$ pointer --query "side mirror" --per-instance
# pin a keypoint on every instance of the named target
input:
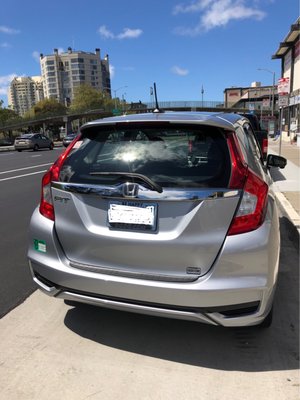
(276, 161)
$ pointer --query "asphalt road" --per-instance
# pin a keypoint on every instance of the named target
(20, 178)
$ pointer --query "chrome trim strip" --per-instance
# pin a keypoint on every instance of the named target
(134, 275)
(170, 194)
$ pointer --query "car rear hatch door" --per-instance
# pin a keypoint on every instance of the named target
(146, 207)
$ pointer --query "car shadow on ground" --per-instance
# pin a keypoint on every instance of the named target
(277, 175)
(239, 349)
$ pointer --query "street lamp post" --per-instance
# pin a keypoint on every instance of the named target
(273, 86)
(202, 94)
(115, 92)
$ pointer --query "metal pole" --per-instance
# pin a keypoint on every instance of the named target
(280, 129)
(273, 94)
(273, 87)
(115, 91)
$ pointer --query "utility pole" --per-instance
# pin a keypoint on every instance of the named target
(273, 87)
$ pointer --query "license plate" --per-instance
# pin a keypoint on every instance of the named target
(133, 216)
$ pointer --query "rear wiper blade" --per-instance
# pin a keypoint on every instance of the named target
(144, 178)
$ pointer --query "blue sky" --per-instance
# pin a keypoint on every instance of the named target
(181, 45)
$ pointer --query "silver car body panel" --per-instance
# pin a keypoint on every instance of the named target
(188, 237)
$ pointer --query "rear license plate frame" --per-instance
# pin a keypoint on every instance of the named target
(121, 215)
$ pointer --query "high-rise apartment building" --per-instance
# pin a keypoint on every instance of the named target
(63, 72)
(24, 93)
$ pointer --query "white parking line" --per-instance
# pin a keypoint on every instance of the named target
(22, 169)
(21, 176)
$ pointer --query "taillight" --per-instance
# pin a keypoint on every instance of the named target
(265, 147)
(253, 205)
(46, 205)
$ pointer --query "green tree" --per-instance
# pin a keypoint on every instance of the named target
(48, 107)
(87, 98)
(7, 115)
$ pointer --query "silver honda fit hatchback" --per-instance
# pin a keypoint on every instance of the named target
(168, 214)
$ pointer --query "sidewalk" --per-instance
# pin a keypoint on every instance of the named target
(287, 180)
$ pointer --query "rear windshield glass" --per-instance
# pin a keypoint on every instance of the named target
(171, 156)
(26, 136)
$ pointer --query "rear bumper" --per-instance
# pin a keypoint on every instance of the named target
(237, 291)
(244, 314)
(25, 146)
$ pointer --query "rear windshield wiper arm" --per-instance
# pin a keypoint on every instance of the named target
(144, 178)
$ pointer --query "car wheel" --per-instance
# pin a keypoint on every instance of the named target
(19, 150)
(35, 147)
(51, 146)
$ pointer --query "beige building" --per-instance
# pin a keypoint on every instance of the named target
(254, 98)
(63, 72)
(289, 54)
(24, 93)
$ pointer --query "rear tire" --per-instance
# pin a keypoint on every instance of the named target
(19, 150)
(35, 147)
(51, 146)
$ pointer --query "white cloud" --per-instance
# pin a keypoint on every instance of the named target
(112, 71)
(8, 31)
(4, 83)
(105, 33)
(193, 7)
(127, 33)
(179, 71)
(216, 13)
(36, 56)
(130, 33)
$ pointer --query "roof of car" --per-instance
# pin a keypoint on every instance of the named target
(222, 120)
(28, 134)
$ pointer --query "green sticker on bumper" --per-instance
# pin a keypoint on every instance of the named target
(39, 245)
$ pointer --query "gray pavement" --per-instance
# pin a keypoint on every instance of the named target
(287, 180)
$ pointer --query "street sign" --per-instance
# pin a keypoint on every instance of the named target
(283, 101)
(116, 111)
(283, 86)
(266, 103)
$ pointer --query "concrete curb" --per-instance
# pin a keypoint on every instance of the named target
(7, 148)
(12, 148)
(288, 211)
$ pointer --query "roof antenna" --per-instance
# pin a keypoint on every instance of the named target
(156, 110)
